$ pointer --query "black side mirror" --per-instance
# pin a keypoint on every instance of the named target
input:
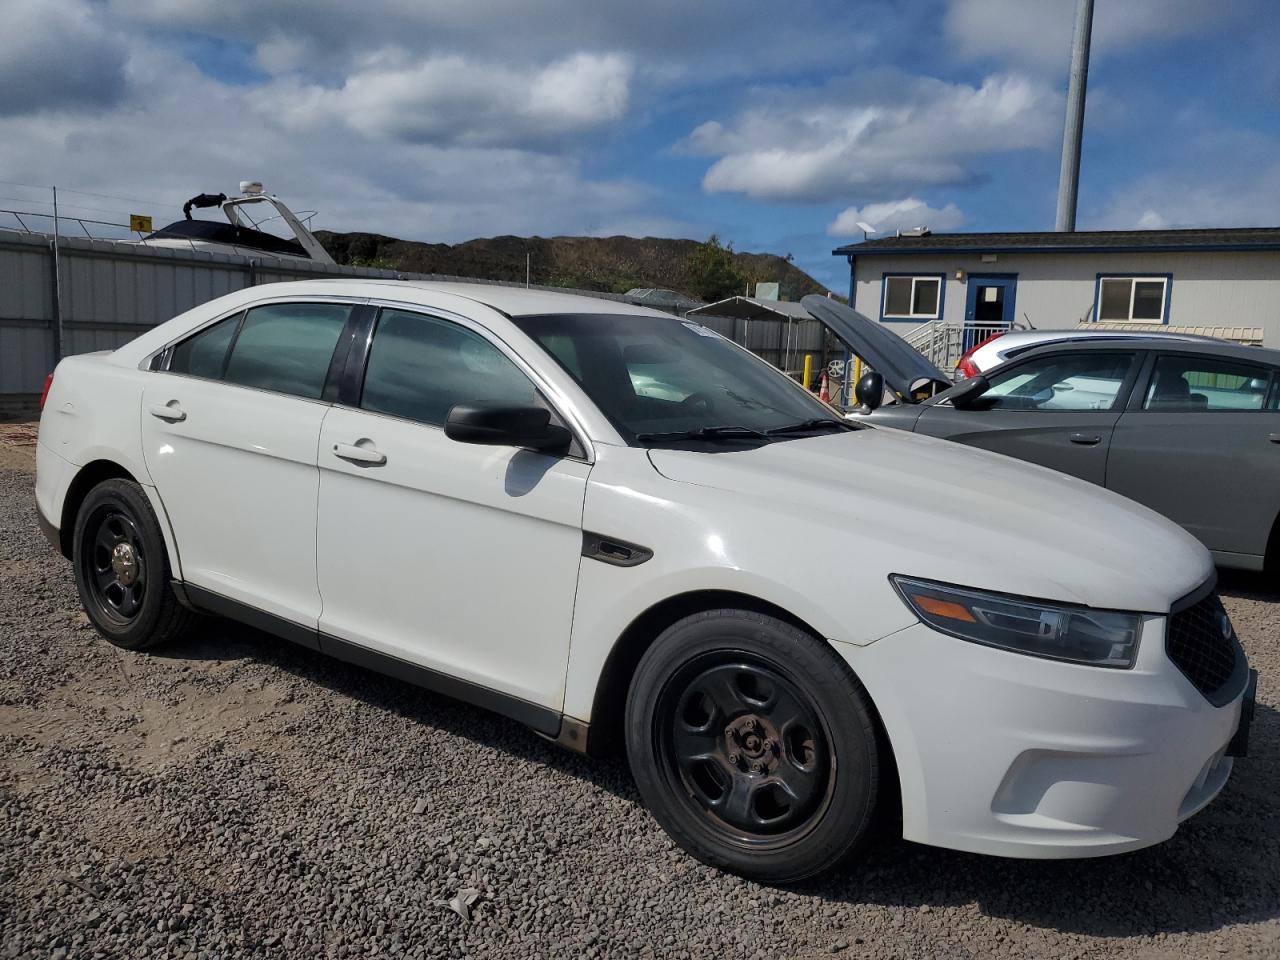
(503, 425)
(964, 393)
(869, 390)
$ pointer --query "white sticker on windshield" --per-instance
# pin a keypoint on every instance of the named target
(700, 330)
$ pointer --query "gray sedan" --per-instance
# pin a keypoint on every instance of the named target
(1191, 430)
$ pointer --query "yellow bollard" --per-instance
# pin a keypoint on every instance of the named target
(808, 369)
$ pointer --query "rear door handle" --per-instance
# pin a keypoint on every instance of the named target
(1274, 438)
(1086, 439)
(361, 456)
(170, 411)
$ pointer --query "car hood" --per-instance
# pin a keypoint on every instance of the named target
(929, 508)
(893, 358)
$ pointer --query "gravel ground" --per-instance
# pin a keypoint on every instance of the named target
(237, 796)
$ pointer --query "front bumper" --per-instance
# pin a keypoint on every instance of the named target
(1002, 753)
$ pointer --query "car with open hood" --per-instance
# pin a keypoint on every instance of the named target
(600, 520)
(1190, 428)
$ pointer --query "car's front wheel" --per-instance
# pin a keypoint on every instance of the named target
(753, 745)
(122, 570)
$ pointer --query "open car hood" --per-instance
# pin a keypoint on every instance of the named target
(893, 358)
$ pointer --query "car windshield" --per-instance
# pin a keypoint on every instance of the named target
(663, 381)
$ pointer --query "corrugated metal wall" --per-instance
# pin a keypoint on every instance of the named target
(110, 292)
(781, 342)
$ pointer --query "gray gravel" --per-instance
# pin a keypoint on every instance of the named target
(236, 796)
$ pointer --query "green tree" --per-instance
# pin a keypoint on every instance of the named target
(712, 272)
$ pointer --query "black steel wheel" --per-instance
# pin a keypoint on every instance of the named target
(122, 570)
(116, 562)
(754, 745)
(746, 744)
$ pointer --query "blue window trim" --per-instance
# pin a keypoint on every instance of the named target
(1132, 275)
(942, 296)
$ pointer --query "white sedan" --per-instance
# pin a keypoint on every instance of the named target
(463, 486)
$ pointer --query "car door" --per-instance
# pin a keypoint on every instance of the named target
(1200, 443)
(1057, 409)
(459, 558)
(230, 425)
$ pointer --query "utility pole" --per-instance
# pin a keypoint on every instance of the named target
(1073, 130)
(59, 345)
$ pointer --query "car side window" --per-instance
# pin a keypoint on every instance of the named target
(287, 347)
(205, 354)
(1082, 381)
(420, 366)
(1206, 384)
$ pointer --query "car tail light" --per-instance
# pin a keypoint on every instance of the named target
(966, 368)
(44, 394)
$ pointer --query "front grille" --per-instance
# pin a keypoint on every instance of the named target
(1202, 642)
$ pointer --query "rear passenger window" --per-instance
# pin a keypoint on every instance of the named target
(203, 355)
(1206, 384)
(419, 367)
(286, 347)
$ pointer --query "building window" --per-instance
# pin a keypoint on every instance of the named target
(1133, 299)
(912, 298)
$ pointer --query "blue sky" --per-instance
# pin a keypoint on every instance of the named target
(774, 125)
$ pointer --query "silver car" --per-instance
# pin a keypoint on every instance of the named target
(1191, 429)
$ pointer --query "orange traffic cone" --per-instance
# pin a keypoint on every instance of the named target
(824, 392)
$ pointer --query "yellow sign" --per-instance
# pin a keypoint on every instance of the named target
(139, 223)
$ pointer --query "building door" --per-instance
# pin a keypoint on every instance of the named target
(988, 306)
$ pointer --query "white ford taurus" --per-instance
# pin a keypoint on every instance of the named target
(614, 525)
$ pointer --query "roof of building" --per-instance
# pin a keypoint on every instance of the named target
(661, 299)
(750, 308)
(1080, 241)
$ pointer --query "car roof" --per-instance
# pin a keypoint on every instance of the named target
(1206, 347)
(1021, 338)
(514, 301)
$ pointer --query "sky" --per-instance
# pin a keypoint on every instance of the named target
(776, 126)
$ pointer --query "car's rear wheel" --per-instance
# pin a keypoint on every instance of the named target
(753, 745)
(122, 570)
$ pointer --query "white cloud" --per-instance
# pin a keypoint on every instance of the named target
(456, 100)
(858, 139)
(57, 56)
(1037, 33)
(670, 39)
(180, 132)
(895, 215)
(1245, 196)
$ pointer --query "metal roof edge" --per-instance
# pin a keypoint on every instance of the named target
(859, 250)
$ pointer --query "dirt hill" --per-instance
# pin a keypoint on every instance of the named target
(704, 271)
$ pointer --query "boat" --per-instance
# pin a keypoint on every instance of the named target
(241, 235)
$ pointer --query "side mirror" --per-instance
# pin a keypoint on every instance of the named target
(963, 394)
(869, 390)
(507, 426)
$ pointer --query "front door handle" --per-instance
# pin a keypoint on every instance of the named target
(170, 411)
(1274, 438)
(1086, 439)
(361, 456)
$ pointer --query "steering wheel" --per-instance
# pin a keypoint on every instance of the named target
(700, 400)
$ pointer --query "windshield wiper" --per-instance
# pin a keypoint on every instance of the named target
(704, 433)
(804, 426)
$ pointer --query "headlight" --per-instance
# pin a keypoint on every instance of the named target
(1101, 638)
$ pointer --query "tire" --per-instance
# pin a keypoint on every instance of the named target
(122, 570)
(754, 746)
